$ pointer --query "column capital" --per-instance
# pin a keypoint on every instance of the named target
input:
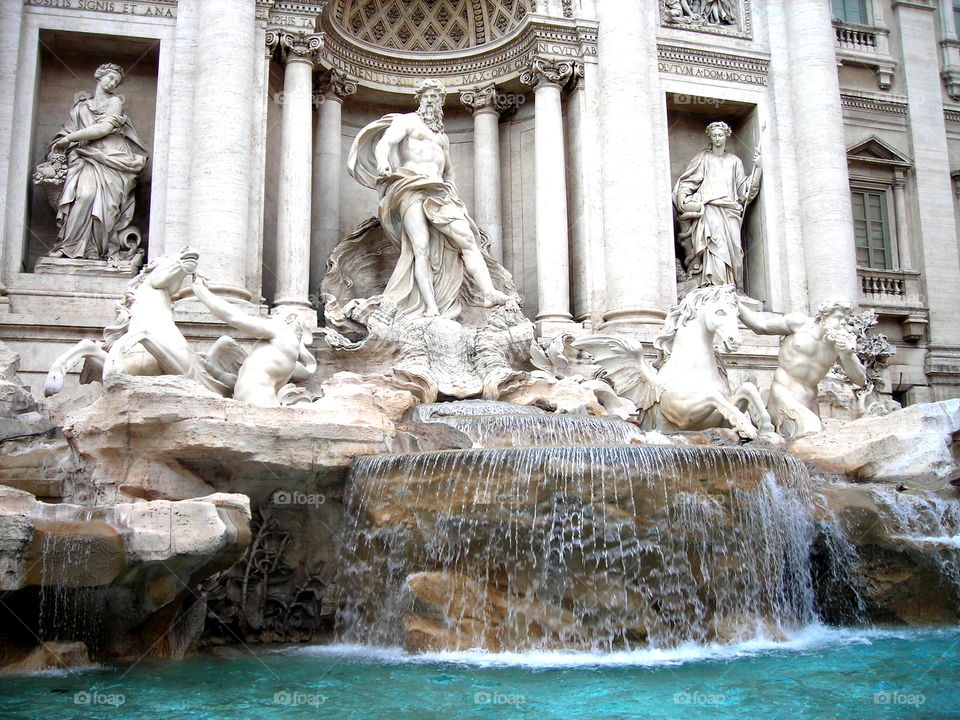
(270, 41)
(299, 46)
(484, 98)
(337, 86)
(547, 71)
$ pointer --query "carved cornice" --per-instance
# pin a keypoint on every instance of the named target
(951, 115)
(876, 105)
(712, 65)
(299, 46)
(548, 71)
(337, 85)
(494, 62)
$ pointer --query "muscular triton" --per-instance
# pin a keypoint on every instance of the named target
(810, 347)
(406, 157)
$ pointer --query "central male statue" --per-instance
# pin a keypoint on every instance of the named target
(406, 158)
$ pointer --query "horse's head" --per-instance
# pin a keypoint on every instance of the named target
(716, 309)
(168, 272)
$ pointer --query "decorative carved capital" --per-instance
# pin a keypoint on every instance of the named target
(271, 40)
(480, 98)
(337, 85)
(299, 46)
(547, 71)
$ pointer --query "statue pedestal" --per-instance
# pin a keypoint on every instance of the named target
(96, 268)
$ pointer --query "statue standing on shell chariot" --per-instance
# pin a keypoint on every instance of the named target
(406, 158)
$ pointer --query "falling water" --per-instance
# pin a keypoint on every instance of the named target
(529, 430)
(928, 522)
(575, 547)
(67, 610)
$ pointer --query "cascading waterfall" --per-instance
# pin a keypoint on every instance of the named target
(927, 521)
(595, 548)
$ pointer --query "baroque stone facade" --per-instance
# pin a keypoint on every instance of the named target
(575, 121)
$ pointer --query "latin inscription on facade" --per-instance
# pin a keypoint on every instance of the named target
(108, 6)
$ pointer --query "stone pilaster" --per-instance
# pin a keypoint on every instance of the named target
(327, 169)
(296, 171)
(640, 266)
(826, 216)
(11, 15)
(936, 241)
(587, 264)
(547, 77)
(221, 171)
(482, 103)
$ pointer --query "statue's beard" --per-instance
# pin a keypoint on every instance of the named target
(432, 116)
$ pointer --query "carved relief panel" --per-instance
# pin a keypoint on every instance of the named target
(720, 17)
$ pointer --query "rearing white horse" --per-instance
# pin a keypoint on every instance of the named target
(144, 340)
(686, 388)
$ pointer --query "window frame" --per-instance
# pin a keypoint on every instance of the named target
(842, 16)
(887, 223)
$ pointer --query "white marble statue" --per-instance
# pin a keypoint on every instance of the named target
(710, 198)
(145, 340)
(810, 347)
(406, 158)
(90, 174)
(281, 355)
(686, 388)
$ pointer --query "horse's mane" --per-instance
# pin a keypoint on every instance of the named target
(118, 328)
(682, 312)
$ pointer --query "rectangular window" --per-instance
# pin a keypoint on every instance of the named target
(871, 228)
(956, 16)
(852, 11)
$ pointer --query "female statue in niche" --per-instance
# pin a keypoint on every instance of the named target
(90, 175)
(710, 198)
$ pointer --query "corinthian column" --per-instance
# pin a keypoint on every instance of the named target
(826, 216)
(296, 169)
(641, 276)
(482, 102)
(11, 16)
(327, 157)
(553, 263)
(222, 128)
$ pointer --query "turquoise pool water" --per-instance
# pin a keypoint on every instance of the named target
(821, 673)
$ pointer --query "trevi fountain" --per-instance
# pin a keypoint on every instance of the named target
(475, 359)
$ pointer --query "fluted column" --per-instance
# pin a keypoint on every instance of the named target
(222, 128)
(296, 170)
(826, 215)
(553, 263)
(482, 102)
(641, 277)
(327, 158)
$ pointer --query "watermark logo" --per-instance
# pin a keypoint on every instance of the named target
(683, 99)
(484, 697)
(896, 697)
(294, 698)
(85, 697)
(295, 497)
(699, 698)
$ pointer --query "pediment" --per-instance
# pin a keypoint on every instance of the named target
(875, 151)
